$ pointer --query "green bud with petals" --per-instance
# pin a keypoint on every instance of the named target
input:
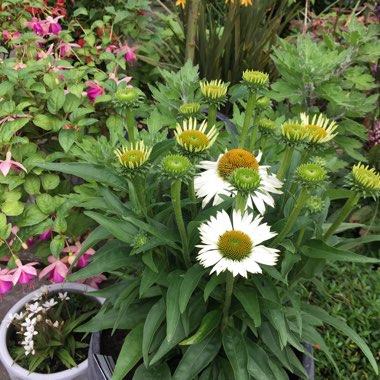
(176, 166)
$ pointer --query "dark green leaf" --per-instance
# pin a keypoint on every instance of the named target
(130, 353)
(189, 284)
(236, 351)
(248, 298)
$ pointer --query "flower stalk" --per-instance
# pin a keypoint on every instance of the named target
(131, 125)
(176, 201)
(292, 218)
(211, 120)
(344, 212)
(285, 163)
(227, 299)
(251, 102)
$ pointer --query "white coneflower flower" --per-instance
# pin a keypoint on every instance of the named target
(134, 155)
(235, 245)
(63, 296)
(194, 139)
(49, 304)
(215, 180)
(319, 129)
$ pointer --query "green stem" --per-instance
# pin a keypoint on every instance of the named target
(247, 118)
(285, 163)
(292, 217)
(191, 31)
(240, 202)
(344, 212)
(227, 300)
(211, 116)
(177, 207)
(193, 199)
(254, 135)
(140, 193)
(131, 125)
(301, 234)
(263, 142)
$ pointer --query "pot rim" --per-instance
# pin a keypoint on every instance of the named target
(5, 357)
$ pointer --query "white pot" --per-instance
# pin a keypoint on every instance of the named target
(18, 373)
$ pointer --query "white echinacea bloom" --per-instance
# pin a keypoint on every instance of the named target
(214, 180)
(235, 245)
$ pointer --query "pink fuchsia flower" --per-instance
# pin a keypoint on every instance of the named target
(23, 274)
(44, 54)
(128, 51)
(73, 251)
(37, 26)
(94, 90)
(6, 283)
(52, 25)
(56, 271)
(118, 81)
(46, 235)
(8, 164)
(19, 66)
(66, 47)
(7, 35)
(94, 281)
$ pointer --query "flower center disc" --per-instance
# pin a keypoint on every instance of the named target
(235, 245)
(196, 139)
(132, 157)
(316, 131)
(236, 158)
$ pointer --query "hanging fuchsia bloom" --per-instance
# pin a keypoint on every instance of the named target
(52, 25)
(74, 251)
(46, 235)
(8, 164)
(44, 54)
(36, 25)
(23, 274)
(128, 51)
(94, 90)
(56, 271)
(7, 35)
(94, 281)
(5, 281)
(66, 47)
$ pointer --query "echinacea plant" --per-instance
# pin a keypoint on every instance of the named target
(212, 234)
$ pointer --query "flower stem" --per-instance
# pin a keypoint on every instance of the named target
(176, 201)
(240, 202)
(227, 300)
(140, 193)
(292, 217)
(193, 199)
(131, 125)
(285, 163)
(247, 119)
(344, 212)
(191, 32)
(211, 116)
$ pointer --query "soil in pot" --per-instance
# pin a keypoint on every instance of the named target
(71, 308)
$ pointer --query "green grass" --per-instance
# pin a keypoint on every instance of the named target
(351, 291)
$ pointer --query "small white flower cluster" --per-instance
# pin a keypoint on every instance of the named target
(33, 314)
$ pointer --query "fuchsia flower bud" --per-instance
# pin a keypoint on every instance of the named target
(74, 250)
